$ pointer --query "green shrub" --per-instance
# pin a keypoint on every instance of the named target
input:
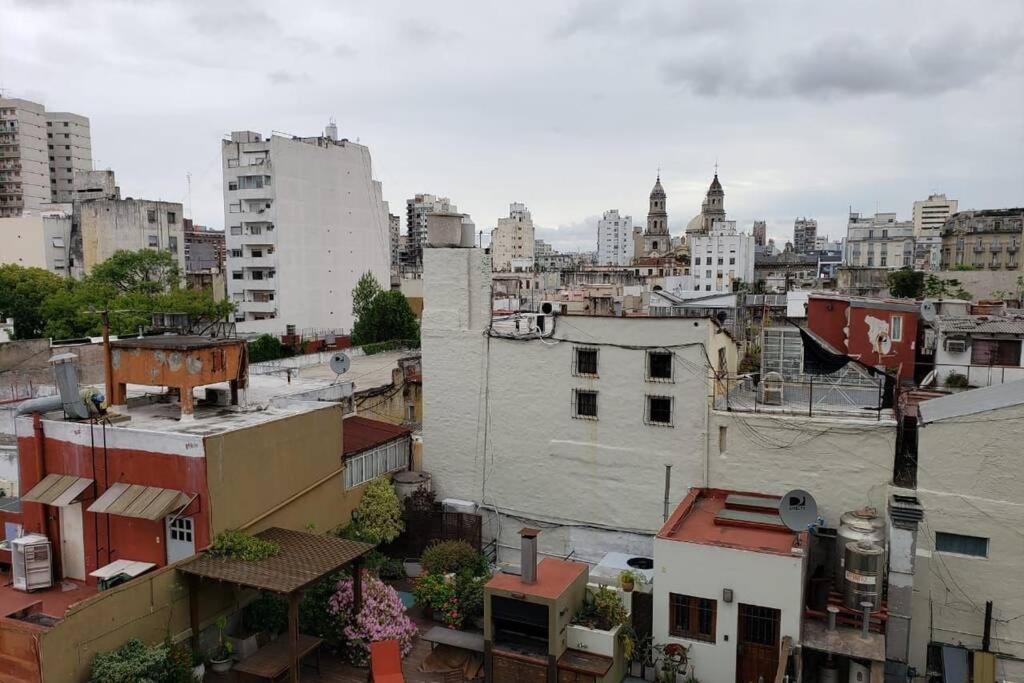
(315, 617)
(444, 557)
(955, 380)
(132, 662)
(241, 546)
(269, 613)
(470, 590)
(386, 568)
(267, 347)
(379, 515)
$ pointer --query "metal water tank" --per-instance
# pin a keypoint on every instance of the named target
(408, 481)
(853, 528)
(863, 576)
(858, 673)
(864, 514)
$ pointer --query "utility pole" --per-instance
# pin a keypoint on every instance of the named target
(108, 370)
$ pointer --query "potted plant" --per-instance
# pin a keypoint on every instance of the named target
(220, 660)
(198, 666)
(600, 624)
(627, 579)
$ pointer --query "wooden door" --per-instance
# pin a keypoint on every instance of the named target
(72, 542)
(757, 644)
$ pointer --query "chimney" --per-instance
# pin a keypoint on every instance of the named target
(904, 514)
(528, 556)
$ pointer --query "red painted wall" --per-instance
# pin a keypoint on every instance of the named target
(129, 538)
(846, 327)
(827, 318)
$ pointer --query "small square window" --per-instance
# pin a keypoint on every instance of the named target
(172, 244)
(585, 362)
(960, 544)
(172, 217)
(236, 275)
(659, 410)
(154, 241)
(151, 216)
(659, 365)
(584, 404)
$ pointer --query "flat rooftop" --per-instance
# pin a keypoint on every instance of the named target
(554, 576)
(173, 342)
(731, 519)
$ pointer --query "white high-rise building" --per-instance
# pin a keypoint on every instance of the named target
(721, 258)
(512, 242)
(304, 220)
(614, 239)
(929, 216)
(24, 167)
(69, 145)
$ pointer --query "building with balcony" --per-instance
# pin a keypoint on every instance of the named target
(614, 239)
(69, 144)
(304, 220)
(416, 210)
(929, 217)
(24, 166)
(985, 239)
(513, 242)
(879, 241)
(721, 258)
(805, 235)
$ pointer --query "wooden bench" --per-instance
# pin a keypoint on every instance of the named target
(439, 635)
(272, 661)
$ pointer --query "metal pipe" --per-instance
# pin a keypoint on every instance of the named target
(39, 405)
(832, 612)
(668, 487)
(866, 617)
(108, 367)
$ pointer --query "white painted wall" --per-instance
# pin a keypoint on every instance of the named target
(947, 363)
(734, 250)
(539, 462)
(614, 239)
(703, 571)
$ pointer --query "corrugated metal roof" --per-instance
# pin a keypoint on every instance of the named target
(142, 502)
(57, 489)
(972, 402)
(361, 433)
(304, 558)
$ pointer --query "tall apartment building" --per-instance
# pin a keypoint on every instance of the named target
(805, 231)
(69, 145)
(204, 248)
(722, 258)
(614, 239)
(929, 217)
(760, 233)
(989, 239)
(879, 241)
(394, 232)
(416, 210)
(304, 220)
(512, 242)
(24, 166)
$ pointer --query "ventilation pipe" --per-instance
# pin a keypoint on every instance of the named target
(905, 512)
(39, 405)
(528, 555)
(832, 612)
(65, 373)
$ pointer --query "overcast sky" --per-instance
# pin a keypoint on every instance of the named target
(569, 107)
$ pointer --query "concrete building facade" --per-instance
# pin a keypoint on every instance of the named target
(579, 424)
(988, 239)
(721, 259)
(513, 241)
(394, 232)
(416, 210)
(69, 144)
(805, 234)
(760, 233)
(24, 163)
(103, 226)
(614, 239)
(304, 220)
(38, 239)
(929, 217)
(879, 241)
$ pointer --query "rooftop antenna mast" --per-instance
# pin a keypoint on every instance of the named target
(188, 184)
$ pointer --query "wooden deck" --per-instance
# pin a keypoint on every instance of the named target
(336, 670)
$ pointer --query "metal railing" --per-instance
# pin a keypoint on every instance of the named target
(808, 395)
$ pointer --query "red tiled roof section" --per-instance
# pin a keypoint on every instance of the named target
(361, 433)
(554, 576)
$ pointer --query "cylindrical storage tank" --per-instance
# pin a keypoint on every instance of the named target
(859, 673)
(854, 530)
(864, 514)
(407, 482)
(829, 673)
(863, 575)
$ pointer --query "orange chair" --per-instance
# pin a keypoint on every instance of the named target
(386, 662)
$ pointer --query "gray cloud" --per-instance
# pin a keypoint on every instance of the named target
(282, 77)
(343, 51)
(423, 32)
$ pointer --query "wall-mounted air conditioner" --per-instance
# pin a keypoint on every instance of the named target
(956, 345)
(31, 562)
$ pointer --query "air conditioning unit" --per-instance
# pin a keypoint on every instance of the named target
(956, 345)
(456, 505)
(31, 562)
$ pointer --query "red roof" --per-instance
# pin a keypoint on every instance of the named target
(554, 576)
(694, 521)
(361, 434)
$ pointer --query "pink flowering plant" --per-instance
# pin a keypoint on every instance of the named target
(381, 618)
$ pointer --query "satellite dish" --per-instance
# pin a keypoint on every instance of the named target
(798, 510)
(928, 311)
(340, 363)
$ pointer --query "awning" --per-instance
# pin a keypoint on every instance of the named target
(57, 489)
(143, 502)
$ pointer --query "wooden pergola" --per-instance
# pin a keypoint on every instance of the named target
(304, 559)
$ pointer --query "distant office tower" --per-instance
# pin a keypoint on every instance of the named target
(614, 239)
(70, 149)
(721, 259)
(204, 248)
(394, 231)
(512, 241)
(760, 233)
(305, 219)
(416, 210)
(805, 232)
(878, 241)
(929, 216)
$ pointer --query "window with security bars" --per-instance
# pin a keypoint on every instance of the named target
(181, 529)
(584, 361)
(584, 404)
(659, 366)
(390, 457)
(692, 617)
(659, 411)
(758, 625)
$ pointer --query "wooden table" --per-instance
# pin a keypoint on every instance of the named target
(465, 640)
(273, 660)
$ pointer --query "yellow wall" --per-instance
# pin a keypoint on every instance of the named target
(151, 608)
(390, 405)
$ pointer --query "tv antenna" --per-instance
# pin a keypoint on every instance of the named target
(340, 363)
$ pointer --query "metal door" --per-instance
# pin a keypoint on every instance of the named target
(181, 540)
(72, 544)
(757, 644)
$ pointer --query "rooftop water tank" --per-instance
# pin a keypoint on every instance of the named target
(855, 527)
(863, 576)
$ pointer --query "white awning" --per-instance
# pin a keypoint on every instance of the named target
(57, 489)
(142, 502)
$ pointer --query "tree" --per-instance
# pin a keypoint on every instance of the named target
(379, 515)
(938, 288)
(366, 291)
(266, 347)
(906, 283)
(387, 317)
(22, 293)
(146, 270)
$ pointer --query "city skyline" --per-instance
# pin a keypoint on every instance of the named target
(824, 118)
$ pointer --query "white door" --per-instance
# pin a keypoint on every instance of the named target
(181, 542)
(72, 544)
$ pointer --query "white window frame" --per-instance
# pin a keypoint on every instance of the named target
(368, 465)
(896, 328)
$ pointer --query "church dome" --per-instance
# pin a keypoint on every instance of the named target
(695, 223)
